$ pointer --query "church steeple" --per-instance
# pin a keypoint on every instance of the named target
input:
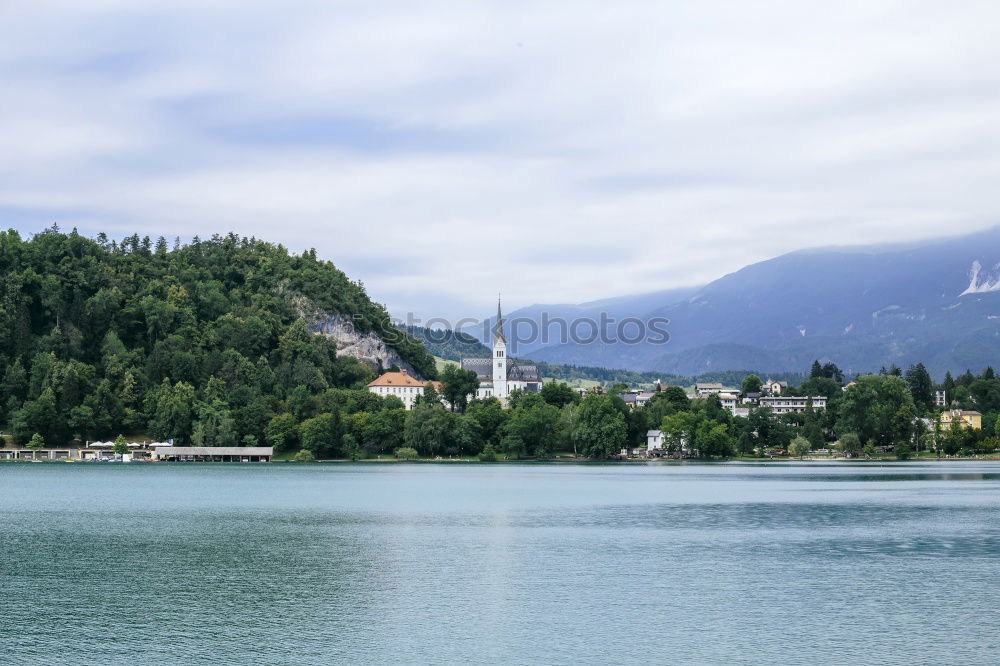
(499, 356)
(498, 326)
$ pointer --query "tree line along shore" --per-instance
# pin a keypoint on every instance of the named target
(208, 343)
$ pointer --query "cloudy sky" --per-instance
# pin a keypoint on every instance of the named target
(559, 151)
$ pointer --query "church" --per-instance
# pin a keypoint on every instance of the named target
(500, 374)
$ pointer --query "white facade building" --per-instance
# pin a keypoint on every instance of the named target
(401, 384)
(940, 398)
(729, 400)
(785, 404)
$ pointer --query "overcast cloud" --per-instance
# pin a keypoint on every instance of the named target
(557, 151)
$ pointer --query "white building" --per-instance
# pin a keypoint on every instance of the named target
(500, 374)
(401, 384)
(729, 400)
(654, 442)
(785, 404)
(703, 390)
(940, 399)
(774, 387)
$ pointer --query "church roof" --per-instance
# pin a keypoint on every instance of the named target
(498, 326)
(483, 367)
(402, 378)
(522, 373)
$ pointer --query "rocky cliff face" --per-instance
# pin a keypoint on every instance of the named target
(368, 348)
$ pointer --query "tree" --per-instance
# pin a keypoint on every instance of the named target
(850, 444)
(215, 425)
(457, 385)
(120, 446)
(772, 433)
(430, 395)
(600, 428)
(322, 434)
(282, 432)
(490, 416)
(831, 371)
(36, 442)
(921, 386)
(948, 386)
(38, 416)
(81, 421)
(467, 435)
(393, 402)
(406, 453)
(712, 440)
(171, 410)
(902, 450)
(381, 429)
(559, 394)
(531, 428)
(678, 431)
(668, 401)
(799, 447)
(304, 455)
(751, 384)
(878, 408)
(351, 447)
(427, 428)
(567, 428)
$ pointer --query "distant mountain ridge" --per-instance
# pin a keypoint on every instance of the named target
(937, 302)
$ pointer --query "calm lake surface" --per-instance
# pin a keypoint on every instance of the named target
(527, 564)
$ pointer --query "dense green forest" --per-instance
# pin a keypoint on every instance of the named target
(202, 342)
(448, 344)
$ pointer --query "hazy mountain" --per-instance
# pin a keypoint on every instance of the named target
(525, 331)
(936, 302)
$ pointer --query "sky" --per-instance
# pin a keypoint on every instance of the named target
(557, 152)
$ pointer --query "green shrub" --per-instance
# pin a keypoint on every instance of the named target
(406, 453)
(304, 455)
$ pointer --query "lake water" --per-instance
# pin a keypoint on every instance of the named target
(526, 564)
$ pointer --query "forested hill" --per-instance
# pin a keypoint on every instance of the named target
(99, 338)
(448, 344)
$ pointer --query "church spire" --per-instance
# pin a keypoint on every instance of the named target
(498, 326)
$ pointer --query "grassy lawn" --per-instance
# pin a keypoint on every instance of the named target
(443, 363)
(574, 383)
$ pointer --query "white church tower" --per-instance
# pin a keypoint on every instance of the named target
(499, 357)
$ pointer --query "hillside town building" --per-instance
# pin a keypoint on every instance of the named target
(705, 389)
(965, 418)
(940, 398)
(401, 384)
(785, 404)
(774, 387)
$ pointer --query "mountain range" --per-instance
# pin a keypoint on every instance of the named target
(936, 302)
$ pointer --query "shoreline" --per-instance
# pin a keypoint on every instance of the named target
(546, 461)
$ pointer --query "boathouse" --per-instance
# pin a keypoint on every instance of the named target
(215, 453)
